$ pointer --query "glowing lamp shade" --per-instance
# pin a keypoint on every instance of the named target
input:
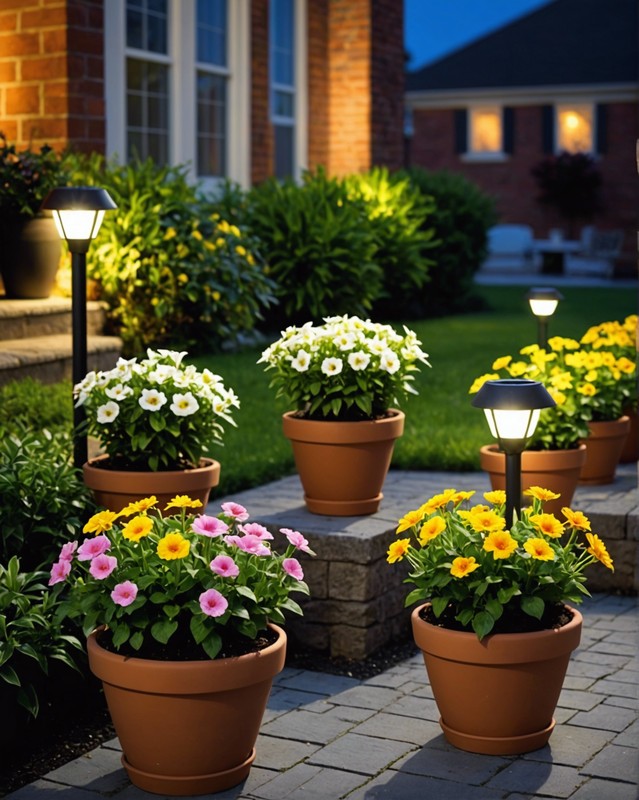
(78, 212)
(543, 302)
(512, 408)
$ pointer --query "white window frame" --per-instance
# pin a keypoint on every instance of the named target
(182, 86)
(571, 106)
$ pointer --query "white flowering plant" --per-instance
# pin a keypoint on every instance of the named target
(345, 369)
(157, 413)
(178, 585)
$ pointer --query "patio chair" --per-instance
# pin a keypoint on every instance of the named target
(511, 249)
(598, 255)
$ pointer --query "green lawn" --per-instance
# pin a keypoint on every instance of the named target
(443, 431)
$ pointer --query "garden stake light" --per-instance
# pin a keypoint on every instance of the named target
(543, 304)
(78, 212)
(512, 408)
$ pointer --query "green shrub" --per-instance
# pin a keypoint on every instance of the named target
(171, 270)
(42, 498)
(398, 214)
(319, 248)
(29, 638)
(34, 406)
(461, 217)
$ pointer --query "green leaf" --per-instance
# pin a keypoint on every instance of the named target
(163, 630)
(439, 605)
(136, 640)
(212, 645)
(415, 596)
(199, 629)
(246, 592)
(9, 675)
(533, 606)
(483, 624)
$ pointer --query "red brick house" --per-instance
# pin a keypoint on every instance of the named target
(562, 78)
(241, 89)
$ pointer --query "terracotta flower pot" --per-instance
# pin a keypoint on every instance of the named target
(557, 470)
(187, 727)
(496, 696)
(604, 446)
(343, 465)
(630, 452)
(114, 489)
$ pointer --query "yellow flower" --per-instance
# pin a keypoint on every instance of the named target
(561, 381)
(100, 522)
(548, 524)
(541, 494)
(216, 296)
(625, 365)
(431, 528)
(410, 519)
(500, 543)
(517, 369)
(529, 349)
(479, 382)
(171, 233)
(173, 546)
(591, 375)
(196, 234)
(502, 363)
(463, 566)
(587, 389)
(183, 277)
(438, 501)
(487, 521)
(556, 343)
(559, 397)
(183, 501)
(137, 527)
(241, 251)
(497, 497)
(539, 549)
(458, 497)
(598, 550)
(398, 550)
(576, 519)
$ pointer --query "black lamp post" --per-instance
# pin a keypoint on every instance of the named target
(78, 212)
(543, 304)
(512, 408)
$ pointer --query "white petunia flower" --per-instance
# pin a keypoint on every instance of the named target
(118, 392)
(108, 412)
(358, 360)
(389, 362)
(302, 361)
(152, 400)
(184, 405)
(332, 366)
(345, 341)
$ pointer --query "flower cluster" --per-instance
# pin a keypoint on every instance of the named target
(156, 413)
(620, 340)
(586, 384)
(196, 577)
(346, 368)
(466, 561)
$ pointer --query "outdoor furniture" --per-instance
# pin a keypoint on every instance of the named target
(511, 249)
(596, 255)
(553, 252)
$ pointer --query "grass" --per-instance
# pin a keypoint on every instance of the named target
(443, 431)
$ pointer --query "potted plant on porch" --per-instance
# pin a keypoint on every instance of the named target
(496, 632)
(31, 246)
(182, 616)
(157, 419)
(342, 380)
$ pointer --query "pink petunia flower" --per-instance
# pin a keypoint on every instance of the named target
(91, 548)
(67, 551)
(225, 567)
(253, 545)
(102, 566)
(59, 572)
(292, 567)
(209, 526)
(212, 603)
(124, 593)
(236, 511)
(255, 529)
(297, 540)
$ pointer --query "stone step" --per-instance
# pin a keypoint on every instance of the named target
(49, 358)
(21, 319)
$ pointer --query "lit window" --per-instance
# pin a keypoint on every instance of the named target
(485, 130)
(575, 129)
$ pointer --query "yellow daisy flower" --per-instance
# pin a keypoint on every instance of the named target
(183, 501)
(137, 527)
(541, 494)
(173, 546)
(431, 528)
(487, 521)
(576, 519)
(539, 549)
(100, 522)
(598, 550)
(410, 519)
(463, 566)
(496, 497)
(398, 550)
(500, 543)
(548, 524)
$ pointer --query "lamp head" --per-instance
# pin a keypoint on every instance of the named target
(512, 408)
(78, 212)
(543, 301)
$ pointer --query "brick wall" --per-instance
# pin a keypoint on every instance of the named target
(261, 129)
(511, 182)
(318, 74)
(51, 73)
(387, 106)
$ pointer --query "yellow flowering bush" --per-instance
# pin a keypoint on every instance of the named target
(478, 575)
(620, 340)
(180, 585)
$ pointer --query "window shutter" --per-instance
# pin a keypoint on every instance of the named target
(601, 128)
(548, 129)
(508, 130)
(461, 130)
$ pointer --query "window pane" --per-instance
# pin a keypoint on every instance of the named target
(283, 104)
(284, 156)
(575, 129)
(147, 110)
(211, 32)
(147, 25)
(211, 124)
(486, 131)
(282, 42)
(134, 29)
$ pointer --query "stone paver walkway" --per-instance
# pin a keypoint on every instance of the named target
(327, 737)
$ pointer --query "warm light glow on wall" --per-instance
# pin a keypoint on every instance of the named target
(485, 130)
(575, 129)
